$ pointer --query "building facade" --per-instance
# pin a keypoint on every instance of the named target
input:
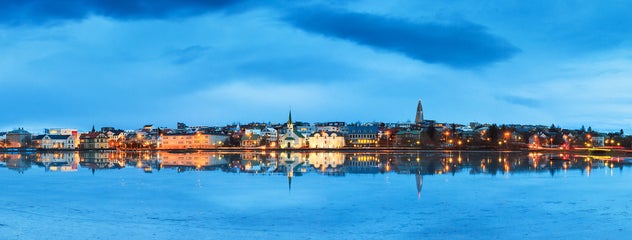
(191, 141)
(250, 140)
(362, 136)
(292, 139)
(64, 131)
(93, 140)
(326, 140)
(57, 142)
(18, 138)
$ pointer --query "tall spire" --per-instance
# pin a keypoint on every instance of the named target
(419, 118)
(289, 121)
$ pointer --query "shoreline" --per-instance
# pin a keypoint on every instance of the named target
(595, 151)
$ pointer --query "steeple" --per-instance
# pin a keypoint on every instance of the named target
(289, 121)
(419, 118)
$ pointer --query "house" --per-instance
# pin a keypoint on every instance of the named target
(329, 126)
(64, 131)
(362, 136)
(408, 138)
(93, 140)
(326, 140)
(270, 134)
(191, 140)
(292, 138)
(250, 140)
(18, 138)
(54, 141)
(304, 128)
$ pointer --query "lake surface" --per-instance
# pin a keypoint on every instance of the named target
(317, 195)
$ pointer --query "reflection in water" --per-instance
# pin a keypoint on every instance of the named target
(294, 164)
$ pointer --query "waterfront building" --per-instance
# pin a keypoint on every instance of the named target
(326, 140)
(250, 140)
(191, 140)
(54, 141)
(64, 131)
(18, 138)
(291, 138)
(93, 140)
(362, 136)
(408, 138)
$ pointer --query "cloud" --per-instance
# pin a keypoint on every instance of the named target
(521, 101)
(188, 54)
(458, 44)
(36, 12)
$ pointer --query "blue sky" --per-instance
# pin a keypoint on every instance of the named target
(127, 63)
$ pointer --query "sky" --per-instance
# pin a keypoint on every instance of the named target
(127, 63)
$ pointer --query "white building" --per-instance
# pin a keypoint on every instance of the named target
(292, 138)
(64, 131)
(270, 133)
(58, 142)
(326, 140)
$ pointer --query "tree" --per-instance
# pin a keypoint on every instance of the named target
(492, 133)
(432, 132)
(621, 132)
(589, 129)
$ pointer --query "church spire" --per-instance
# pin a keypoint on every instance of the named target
(289, 121)
(419, 118)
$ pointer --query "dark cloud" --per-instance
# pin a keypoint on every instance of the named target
(35, 12)
(521, 101)
(460, 44)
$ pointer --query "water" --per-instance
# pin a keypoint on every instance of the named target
(318, 195)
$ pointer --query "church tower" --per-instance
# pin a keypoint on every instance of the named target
(419, 119)
(290, 125)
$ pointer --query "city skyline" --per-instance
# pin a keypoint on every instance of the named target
(130, 63)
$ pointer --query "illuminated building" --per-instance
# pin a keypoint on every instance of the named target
(93, 140)
(55, 141)
(64, 131)
(326, 140)
(18, 138)
(250, 140)
(192, 141)
(362, 136)
(292, 138)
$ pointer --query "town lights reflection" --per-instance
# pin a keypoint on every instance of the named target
(294, 164)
